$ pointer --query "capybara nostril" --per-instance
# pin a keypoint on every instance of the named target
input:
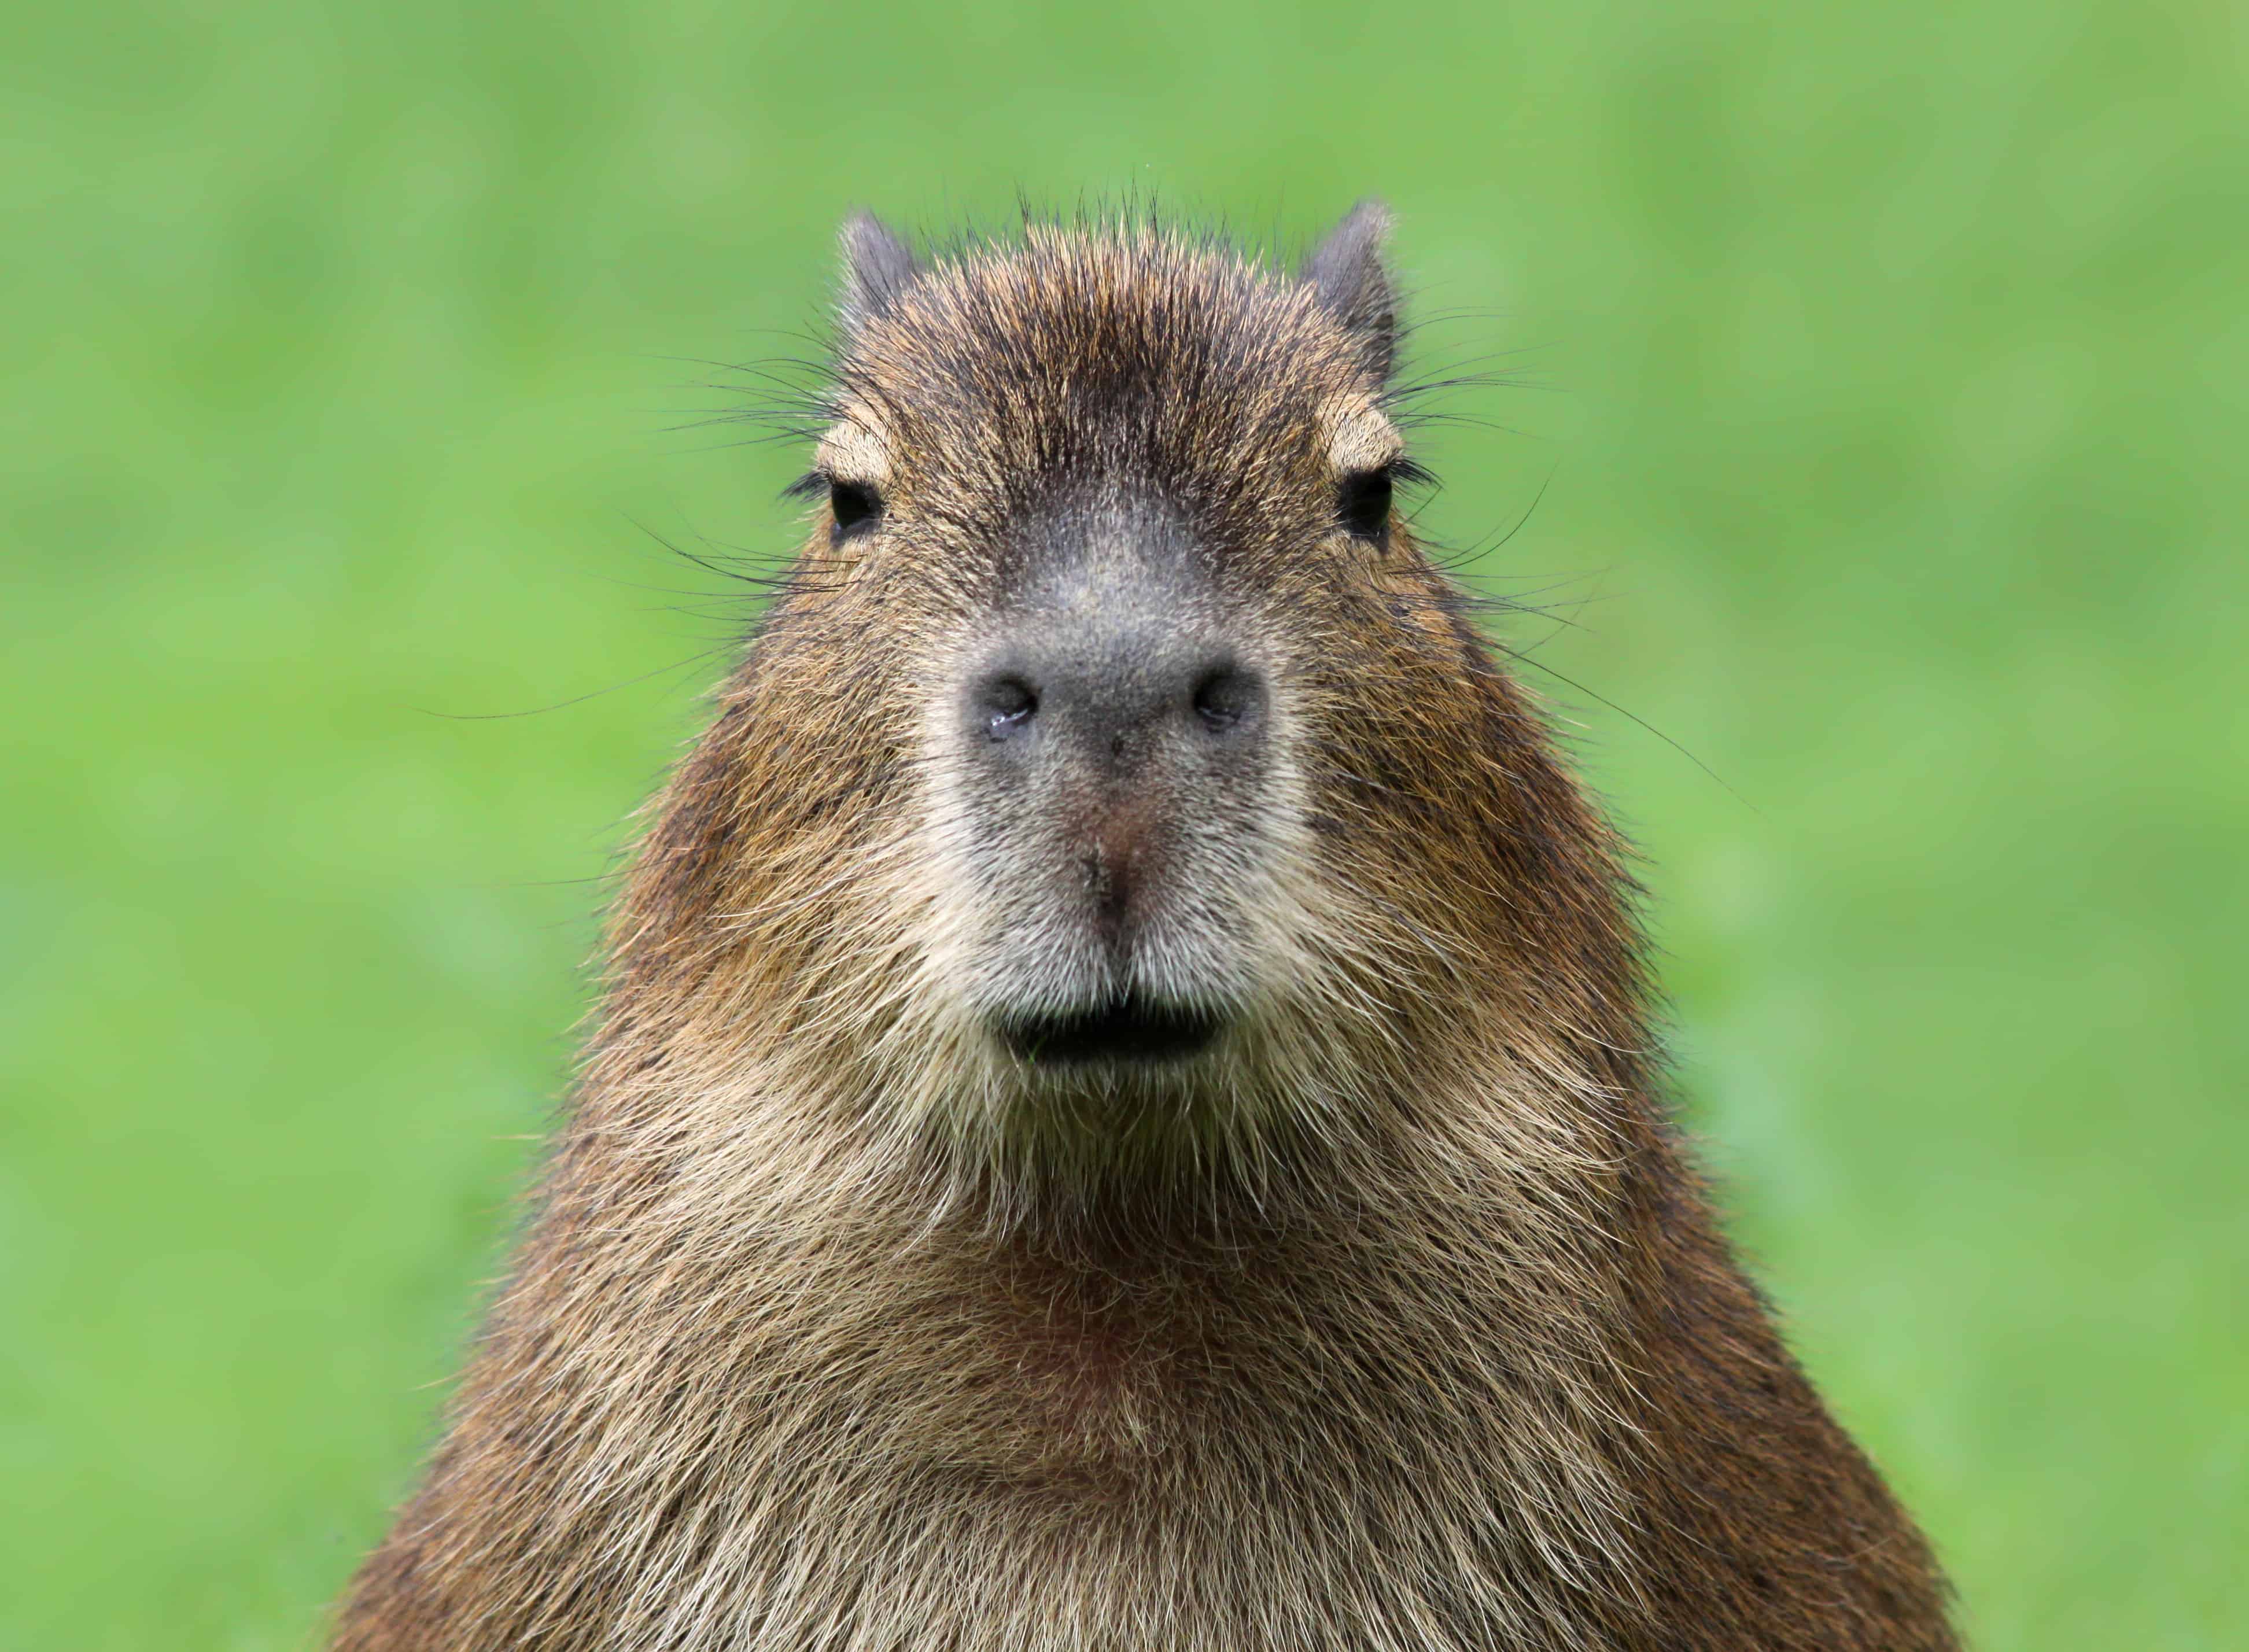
(1005, 705)
(1229, 699)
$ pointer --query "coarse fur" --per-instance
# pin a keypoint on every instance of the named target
(1396, 1320)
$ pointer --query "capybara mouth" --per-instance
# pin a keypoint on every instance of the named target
(1130, 1030)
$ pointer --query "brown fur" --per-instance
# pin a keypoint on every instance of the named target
(1400, 1323)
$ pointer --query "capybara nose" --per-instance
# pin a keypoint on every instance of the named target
(1116, 700)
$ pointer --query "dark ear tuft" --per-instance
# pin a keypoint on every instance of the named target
(1346, 271)
(877, 266)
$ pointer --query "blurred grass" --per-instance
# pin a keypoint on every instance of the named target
(1898, 478)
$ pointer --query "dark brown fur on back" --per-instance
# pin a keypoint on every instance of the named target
(1399, 1322)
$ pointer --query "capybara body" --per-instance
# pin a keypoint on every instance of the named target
(1124, 1114)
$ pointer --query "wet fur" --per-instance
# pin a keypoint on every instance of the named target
(1402, 1323)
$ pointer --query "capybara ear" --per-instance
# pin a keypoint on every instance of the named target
(878, 264)
(1346, 270)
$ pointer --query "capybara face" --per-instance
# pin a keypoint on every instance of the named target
(1176, 784)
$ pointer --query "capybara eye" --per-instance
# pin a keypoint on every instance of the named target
(855, 505)
(1364, 503)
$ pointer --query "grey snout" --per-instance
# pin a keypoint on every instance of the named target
(1116, 703)
(1114, 759)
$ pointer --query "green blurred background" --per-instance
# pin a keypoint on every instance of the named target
(1889, 373)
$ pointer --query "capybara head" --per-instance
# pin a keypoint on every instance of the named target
(1115, 783)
